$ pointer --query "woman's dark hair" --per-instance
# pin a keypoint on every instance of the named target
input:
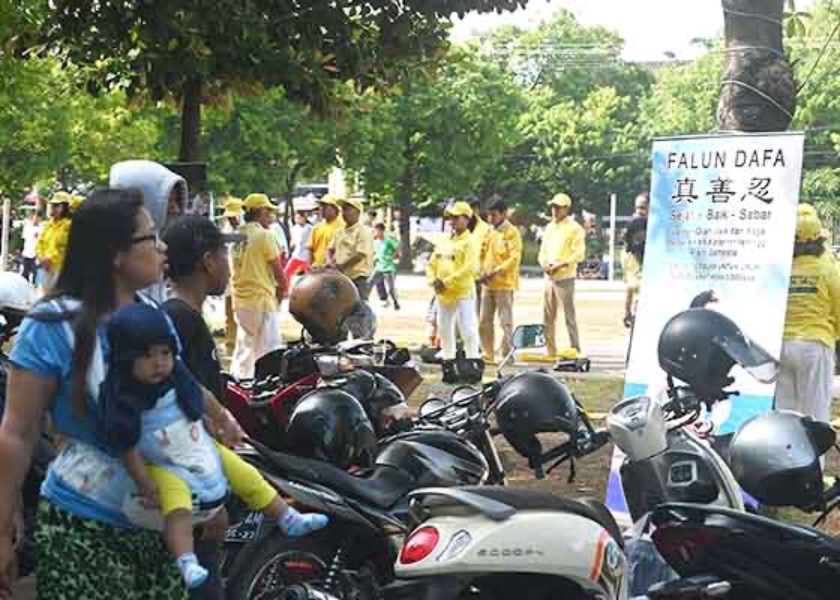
(250, 216)
(102, 226)
(812, 248)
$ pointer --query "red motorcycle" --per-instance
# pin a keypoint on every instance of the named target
(264, 404)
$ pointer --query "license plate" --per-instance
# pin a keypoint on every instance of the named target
(247, 530)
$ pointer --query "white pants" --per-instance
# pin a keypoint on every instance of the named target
(806, 379)
(257, 334)
(463, 314)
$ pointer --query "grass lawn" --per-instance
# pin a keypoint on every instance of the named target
(596, 394)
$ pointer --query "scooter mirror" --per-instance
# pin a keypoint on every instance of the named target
(529, 336)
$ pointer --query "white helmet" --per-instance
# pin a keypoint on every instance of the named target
(17, 296)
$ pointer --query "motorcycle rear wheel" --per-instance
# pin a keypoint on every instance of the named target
(277, 562)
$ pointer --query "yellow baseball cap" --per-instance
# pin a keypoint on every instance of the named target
(354, 202)
(76, 202)
(329, 200)
(806, 209)
(61, 198)
(233, 207)
(458, 209)
(562, 200)
(808, 227)
(258, 201)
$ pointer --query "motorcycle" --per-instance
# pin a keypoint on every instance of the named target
(264, 405)
(722, 553)
(368, 511)
(17, 296)
(449, 444)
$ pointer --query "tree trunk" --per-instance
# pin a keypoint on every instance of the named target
(289, 213)
(758, 92)
(406, 198)
(191, 121)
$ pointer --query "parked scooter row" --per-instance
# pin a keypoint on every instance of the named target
(468, 541)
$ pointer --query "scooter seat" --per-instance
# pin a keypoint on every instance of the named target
(383, 486)
(522, 500)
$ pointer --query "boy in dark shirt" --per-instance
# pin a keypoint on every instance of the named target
(198, 268)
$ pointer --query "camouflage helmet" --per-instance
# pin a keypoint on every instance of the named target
(321, 302)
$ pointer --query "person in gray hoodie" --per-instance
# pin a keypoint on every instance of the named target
(165, 195)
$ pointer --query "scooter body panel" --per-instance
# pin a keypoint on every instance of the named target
(547, 543)
(689, 470)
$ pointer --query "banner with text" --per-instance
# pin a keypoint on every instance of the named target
(722, 218)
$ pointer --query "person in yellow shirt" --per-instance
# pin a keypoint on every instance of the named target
(480, 230)
(562, 249)
(324, 232)
(351, 250)
(812, 325)
(501, 255)
(259, 285)
(451, 273)
(52, 243)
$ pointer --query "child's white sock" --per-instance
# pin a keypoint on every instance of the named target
(192, 572)
(295, 524)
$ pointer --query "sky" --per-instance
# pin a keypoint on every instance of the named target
(650, 28)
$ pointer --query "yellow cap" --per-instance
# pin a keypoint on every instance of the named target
(808, 227)
(354, 202)
(562, 200)
(458, 209)
(257, 201)
(61, 198)
(233, 207)
(806, 209)
(76, 202)
(329, 200)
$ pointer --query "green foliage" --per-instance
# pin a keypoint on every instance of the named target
(266, 143)
(197, 50)
(445, 133)
(684, 98)
(35, 126)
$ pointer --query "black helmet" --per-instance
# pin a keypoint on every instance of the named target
(776, 458)
(699, 346)
(383, 401)
(331, 425)
(435, 458)
(532, 403)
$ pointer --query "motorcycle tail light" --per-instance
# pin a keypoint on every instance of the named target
(683, 543)
(420, 544)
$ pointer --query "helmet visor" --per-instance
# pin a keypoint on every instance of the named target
(753, 358)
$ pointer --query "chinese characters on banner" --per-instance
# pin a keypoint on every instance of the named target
(722, 218)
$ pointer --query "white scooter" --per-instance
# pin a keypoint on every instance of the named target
(500, 543)
(669, 456)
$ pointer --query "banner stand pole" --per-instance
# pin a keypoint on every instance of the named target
(613, 208)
